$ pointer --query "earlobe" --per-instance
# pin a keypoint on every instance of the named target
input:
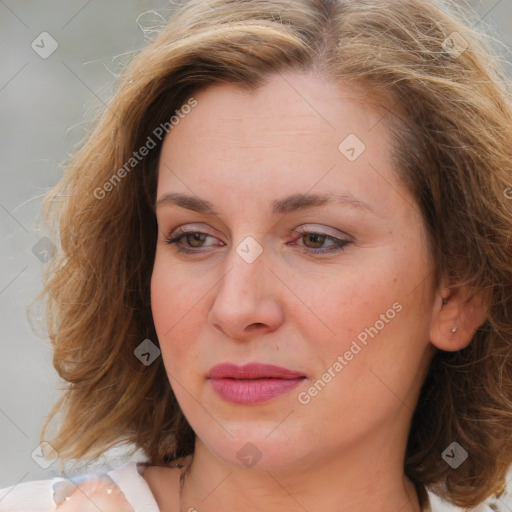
(457, 316)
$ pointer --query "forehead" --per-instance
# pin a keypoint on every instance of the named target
(291, 103)
(295, 133)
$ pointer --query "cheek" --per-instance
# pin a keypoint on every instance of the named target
(372, 362)
(175, 304)
(380, 308)
(341, 307)
(175, 307)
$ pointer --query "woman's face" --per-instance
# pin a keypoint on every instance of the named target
(309, 256)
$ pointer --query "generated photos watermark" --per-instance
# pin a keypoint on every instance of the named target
(137, 156)
(305, 397)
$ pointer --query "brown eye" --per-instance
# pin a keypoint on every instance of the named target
(316, 240)
(189, 241)
(313, 242)
(196, 239)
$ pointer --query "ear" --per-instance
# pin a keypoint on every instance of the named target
(462, 308)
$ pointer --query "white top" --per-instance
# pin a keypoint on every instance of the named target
(127, 481)
(46, 495)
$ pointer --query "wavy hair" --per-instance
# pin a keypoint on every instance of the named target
(452, 149)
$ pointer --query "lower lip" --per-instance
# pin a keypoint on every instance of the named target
(252, 391)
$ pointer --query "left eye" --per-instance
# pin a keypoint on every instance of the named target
(315, 242)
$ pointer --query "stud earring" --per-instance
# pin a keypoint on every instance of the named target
(454, 329)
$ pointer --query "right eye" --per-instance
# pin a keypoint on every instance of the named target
(193, 240)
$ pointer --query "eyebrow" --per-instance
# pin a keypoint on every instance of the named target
(285, 205)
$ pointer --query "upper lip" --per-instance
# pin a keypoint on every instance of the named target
(251, 371)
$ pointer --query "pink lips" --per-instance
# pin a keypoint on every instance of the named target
(252, 383)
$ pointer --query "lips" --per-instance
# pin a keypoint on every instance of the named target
(252, 383)
(251, 371)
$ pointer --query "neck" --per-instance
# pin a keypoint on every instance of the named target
(359, 479)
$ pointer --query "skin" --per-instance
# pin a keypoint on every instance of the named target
(344, 450)
(93, 495)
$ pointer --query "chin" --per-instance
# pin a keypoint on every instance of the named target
(259, 447)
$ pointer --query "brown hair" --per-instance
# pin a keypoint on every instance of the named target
(453, 150)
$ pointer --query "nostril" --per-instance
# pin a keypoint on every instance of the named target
(256, 324)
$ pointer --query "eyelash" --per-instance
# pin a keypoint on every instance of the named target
(339, 244)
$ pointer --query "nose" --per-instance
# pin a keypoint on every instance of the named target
(247, 301)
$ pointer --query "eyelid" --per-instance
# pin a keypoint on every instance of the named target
(199, 226)
(304, 228)
(322, 230)
(191, 228)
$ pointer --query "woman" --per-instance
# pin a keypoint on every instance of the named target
(286, 269)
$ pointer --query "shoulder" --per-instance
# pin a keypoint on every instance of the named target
(502, 504)
(79, 493)
(90, 494)
(36, 496)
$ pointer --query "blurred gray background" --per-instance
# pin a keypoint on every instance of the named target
(46, 104)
